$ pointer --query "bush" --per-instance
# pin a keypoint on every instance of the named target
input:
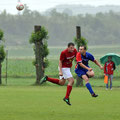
(2, 54)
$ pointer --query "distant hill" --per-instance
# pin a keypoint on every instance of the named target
(84, 9)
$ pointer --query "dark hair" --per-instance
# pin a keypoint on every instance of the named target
(110, 57)
(71, 44)
(85, 48)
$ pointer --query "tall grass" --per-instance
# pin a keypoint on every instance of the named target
(20, 62)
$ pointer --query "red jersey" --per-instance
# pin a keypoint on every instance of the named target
(109, 67)
(78, 59)
(67, 58)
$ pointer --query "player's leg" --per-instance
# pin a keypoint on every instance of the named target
(69, 87)
(88, 85)
(111, 78)
(68, 91)
(53, 80)
(90, 74)
(60, 81)
(69, 77)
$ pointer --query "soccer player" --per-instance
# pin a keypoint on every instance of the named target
(83, 70)
(65, 64)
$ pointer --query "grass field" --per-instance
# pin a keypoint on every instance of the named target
(45, 103)
(27, 51)
(20, 99)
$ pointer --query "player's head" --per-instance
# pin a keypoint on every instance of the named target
(82, 49)
(109, 58)
(71, 47)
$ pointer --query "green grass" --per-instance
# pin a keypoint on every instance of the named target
(21, 57)
(45, 103)
(24, 68)
(18, 81)
(27, 51)
(97, 82)
(20, 99)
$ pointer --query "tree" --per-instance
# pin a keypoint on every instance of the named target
(2, 54)
(18, 27)
(1, 35)
(39, 38)
(79, 41)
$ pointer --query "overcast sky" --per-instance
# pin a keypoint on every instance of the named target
(42, 5)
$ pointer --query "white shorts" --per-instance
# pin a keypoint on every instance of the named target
(66, 73)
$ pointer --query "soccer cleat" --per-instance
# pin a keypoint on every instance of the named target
(94, 95)
(67, 101)
(44, 79)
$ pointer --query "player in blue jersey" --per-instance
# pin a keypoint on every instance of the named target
(86, 72)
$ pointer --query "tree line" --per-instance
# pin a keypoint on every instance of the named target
(99, 29)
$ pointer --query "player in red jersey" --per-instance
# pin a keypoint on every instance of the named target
(65, 64)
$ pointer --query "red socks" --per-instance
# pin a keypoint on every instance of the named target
(56, 81)
(53, 80)
(69, 89)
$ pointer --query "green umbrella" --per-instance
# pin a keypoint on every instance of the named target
(115, 58)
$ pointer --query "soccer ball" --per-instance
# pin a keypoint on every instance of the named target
(20, 6)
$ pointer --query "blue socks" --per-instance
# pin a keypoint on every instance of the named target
(89, 88)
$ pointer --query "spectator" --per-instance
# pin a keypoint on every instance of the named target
(109, 68)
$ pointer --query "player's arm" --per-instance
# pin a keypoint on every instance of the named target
(60, 68)
(62, 57)
(84, 66)
(98, 64)
(91, 57)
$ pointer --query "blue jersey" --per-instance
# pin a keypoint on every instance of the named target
(85, 59)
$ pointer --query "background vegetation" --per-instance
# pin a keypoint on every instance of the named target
(98, 29)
